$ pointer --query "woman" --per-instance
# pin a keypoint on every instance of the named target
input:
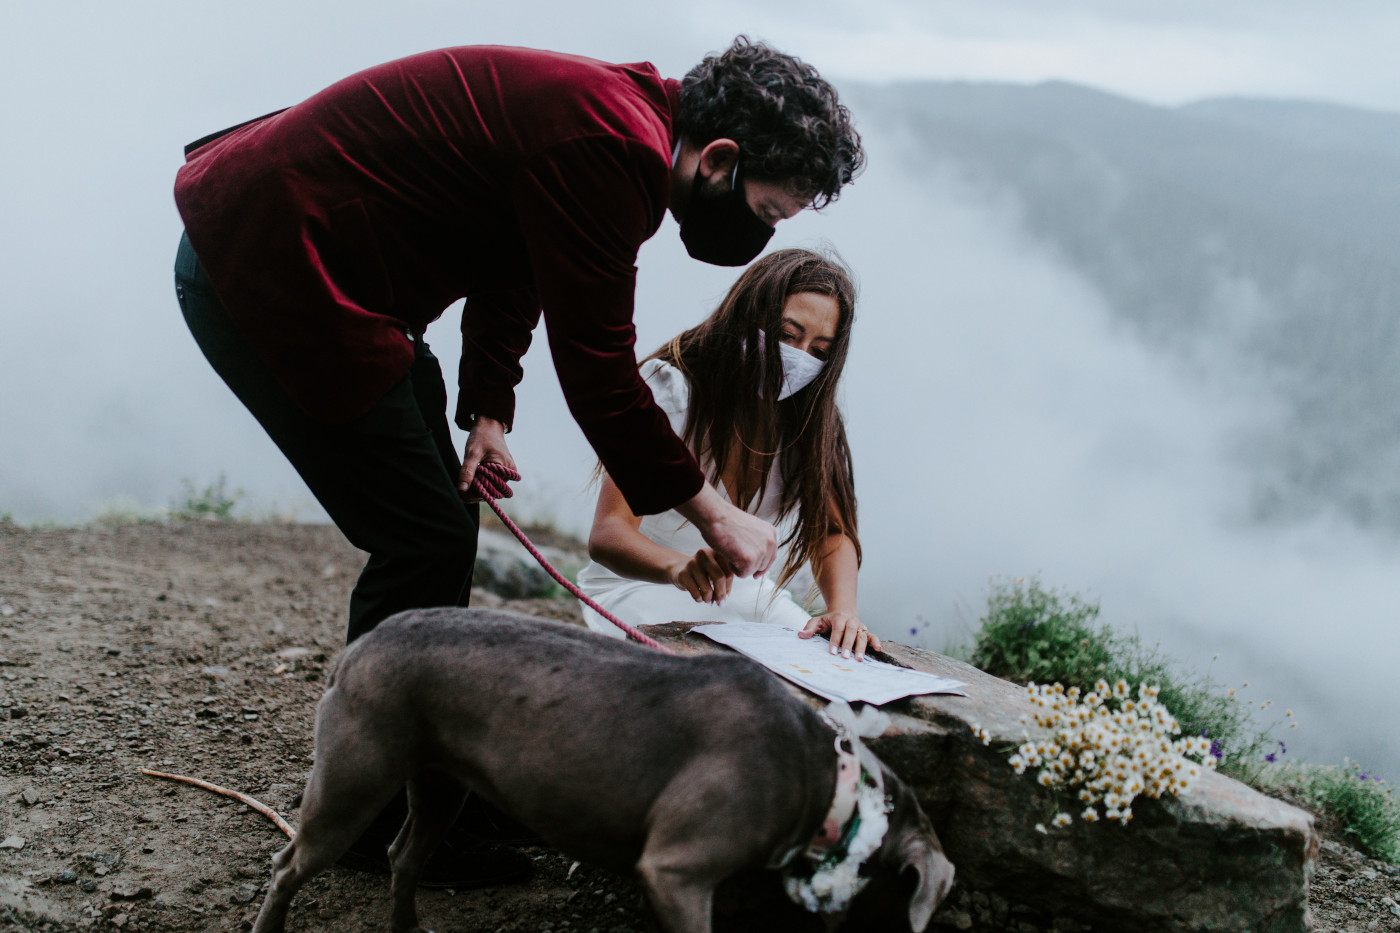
(762, 419)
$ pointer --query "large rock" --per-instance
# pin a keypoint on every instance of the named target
(505, 568)
(1220, 857)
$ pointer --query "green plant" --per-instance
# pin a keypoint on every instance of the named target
(1357, 803)
(212, 503)
(1033, 634)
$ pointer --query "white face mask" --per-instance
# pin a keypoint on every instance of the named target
(799, 368)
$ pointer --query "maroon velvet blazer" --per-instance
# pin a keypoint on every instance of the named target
(520, 180)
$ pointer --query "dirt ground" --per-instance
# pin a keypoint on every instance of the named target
(201, 649)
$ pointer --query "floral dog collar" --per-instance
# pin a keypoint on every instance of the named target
(827, 877)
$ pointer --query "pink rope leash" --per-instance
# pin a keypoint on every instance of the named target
(490, 481)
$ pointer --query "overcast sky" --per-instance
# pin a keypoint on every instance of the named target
(144, 55)
(96, 100)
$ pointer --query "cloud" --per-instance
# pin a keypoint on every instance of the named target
(1164, 53)
(1003, 424)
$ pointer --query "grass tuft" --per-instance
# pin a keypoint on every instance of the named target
(1361, 807)
(212, 503)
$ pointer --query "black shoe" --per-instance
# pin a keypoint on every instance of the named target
(461, 864)
(480, 820)
(371, 858)
(458, 863)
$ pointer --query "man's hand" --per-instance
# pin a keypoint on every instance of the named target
(485, 444)
(848, 634)
(743, 545)
(702, 577)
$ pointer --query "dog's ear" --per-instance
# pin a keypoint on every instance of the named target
(922, 856)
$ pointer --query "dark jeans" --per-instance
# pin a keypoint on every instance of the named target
(387, 479)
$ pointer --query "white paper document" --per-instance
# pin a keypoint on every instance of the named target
(809, 663)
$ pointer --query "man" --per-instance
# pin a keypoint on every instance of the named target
(321, 241)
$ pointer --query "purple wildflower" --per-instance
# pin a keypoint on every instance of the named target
(1282, 749)
(1271, 758)
(1217, 749)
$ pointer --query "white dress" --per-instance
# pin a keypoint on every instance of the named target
(638, 602)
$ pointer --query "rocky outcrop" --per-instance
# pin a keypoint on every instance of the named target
(1220, 857)
(505, 568)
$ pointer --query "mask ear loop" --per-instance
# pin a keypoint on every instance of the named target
(733, 176)
(776, 454)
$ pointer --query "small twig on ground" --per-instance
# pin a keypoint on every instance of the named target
(262, 808)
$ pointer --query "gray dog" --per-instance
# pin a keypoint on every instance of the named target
(684, 770)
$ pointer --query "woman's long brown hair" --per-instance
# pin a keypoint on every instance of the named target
(735, 378)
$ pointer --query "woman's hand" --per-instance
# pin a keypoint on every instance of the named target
(702, 577)
(847, 633)
(485, 444)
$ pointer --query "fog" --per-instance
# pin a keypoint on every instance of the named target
(1005, 416)
(1004, 424)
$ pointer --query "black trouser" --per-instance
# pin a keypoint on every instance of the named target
(387, 479)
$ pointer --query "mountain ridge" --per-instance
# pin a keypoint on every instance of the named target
(1226, 223)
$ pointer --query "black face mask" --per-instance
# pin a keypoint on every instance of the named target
(721, 228)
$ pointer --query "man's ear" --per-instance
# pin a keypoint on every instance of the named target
(717, 160)
(921, 855)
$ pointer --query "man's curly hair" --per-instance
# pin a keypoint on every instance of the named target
(786, 118)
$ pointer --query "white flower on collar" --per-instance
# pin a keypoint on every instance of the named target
(835, 882)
